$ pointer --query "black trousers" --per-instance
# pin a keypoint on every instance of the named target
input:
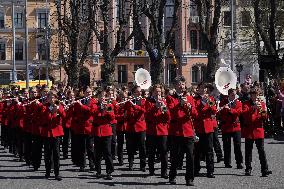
(216, 144)
(187, 146)
(205, 146)
(120, 142)
(157, 143)
(113, 141)
(20, 142)
(12, 139)
(248, 153)
(226, 137)
(134, 140)
(37, 151)
(103, 150)
(66, 139)
(52, 152)
(4, 136)
(28, 143)
(86, 144)
(74, 149)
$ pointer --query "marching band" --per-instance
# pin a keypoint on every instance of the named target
(157, 126)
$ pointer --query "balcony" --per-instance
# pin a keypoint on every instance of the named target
(133, 53)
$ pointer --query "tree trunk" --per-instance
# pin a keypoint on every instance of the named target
(73, 76)
(213, 55)
(108, 69)
(157, 71)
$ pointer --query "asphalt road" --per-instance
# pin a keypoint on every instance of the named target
(15, 175)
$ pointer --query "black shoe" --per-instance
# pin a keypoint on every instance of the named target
(240, 166)
(179, 167)
(266, 173)
(99, 175)
(120, 163)
(47, 175)
(210, 175)
(173, 181)
(109, 177)
(219, 159)
(65, 157)
(196, 174)
(35, 168)
(248, 172)
(58, 177)
(143, 169)
(92, 169)
(189, 183)
(113, 157)
(130, 168)
(82, 169)
(151, 174)
(165, 176)
(228, 166)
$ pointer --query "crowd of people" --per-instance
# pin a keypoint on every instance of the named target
(162, 123)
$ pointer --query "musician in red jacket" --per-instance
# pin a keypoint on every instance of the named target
(157, 117)
(254, 114)
(4, 122)
(136, 128)
(82, 127)
(181, 131)
(204, 126)
(52, 115)
(121, 123)
(104, 116)
(231, 109)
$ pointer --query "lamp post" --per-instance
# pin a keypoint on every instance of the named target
(239, 68)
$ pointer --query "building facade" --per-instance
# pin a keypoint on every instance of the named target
(188, 46)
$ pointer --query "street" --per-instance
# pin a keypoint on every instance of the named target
(15, 175)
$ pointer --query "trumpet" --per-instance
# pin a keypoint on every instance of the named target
(106, 104)
(160, 104)
(259, 107)
(206, 100)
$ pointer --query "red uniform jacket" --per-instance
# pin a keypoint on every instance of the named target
(120, 117)
(68, 119)
(157, 121)
(135, 120)
(253, 121)
(20, 112)
(206, 120)
(51, 122)
(1, 110)
(30, 119)
(103, 120)
(181, 116)
(82, 118)
(229, 118)
(12, 116)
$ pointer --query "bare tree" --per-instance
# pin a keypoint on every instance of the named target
(74, 19)
(104, 29)
(209, 12)
(159, 40)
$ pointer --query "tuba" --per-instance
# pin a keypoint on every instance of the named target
(143, 78)
(225, 79)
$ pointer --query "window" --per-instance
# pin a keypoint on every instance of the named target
(280, 18)
(203, 73)
(193, 39)
(245, 18)
(2, 20)
(42, 20)
(122, 74)
(203, 43)
(169, 11)
(193, 9)
(18, 20)
(227, 18)
(245, 3)
(173, 73)
(41, 50)
(84, 10)
(19, 51)
(194, 74)
(136, 67)
(2, 51)
(137, 43)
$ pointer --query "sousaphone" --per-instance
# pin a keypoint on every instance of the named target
(225, 79)
(143, 78)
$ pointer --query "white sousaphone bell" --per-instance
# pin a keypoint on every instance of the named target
(143, 78)
(225, 79)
